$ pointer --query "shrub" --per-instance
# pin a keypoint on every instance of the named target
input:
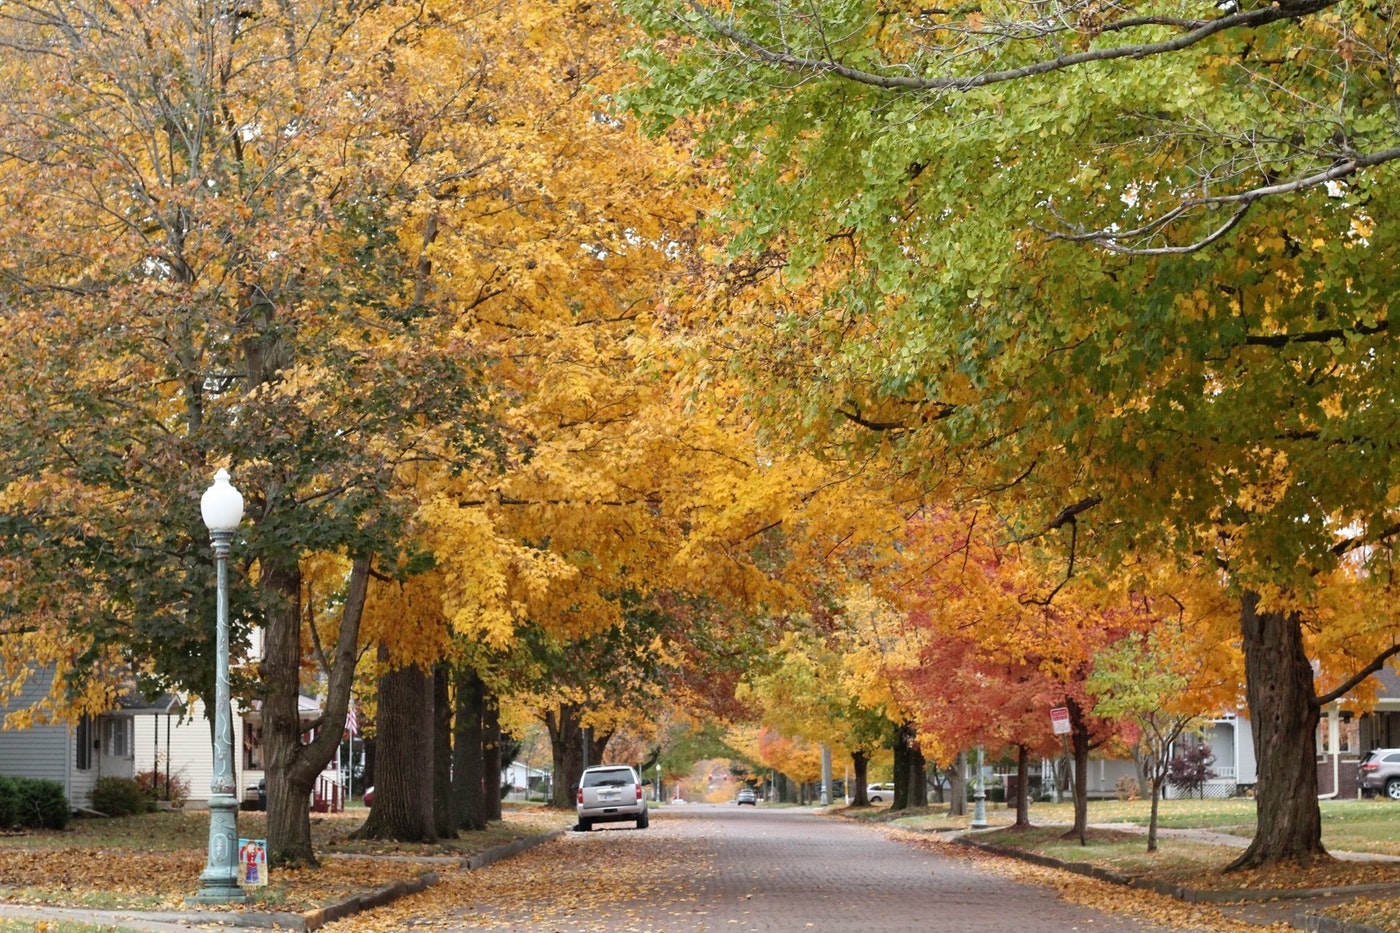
(9, 814)
(1190, 769)
(153, 785)
(1128, 788)
(28, 803)
(114, 796)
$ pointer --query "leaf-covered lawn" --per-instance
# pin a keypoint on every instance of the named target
(153, 862)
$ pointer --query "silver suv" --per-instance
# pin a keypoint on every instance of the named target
(611, 794)
(1380, 770)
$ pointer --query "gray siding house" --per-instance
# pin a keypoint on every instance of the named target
(75, 756)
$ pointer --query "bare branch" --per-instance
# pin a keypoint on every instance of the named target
(783, 57)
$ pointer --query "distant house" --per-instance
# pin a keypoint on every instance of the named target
(186, 749)
(76, 755)
(522, 782)
(1345, 734)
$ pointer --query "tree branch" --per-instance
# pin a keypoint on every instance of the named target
(785, 58)
(1359, 676)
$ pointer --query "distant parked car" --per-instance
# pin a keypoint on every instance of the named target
(746, 796)
(611, 794)
(1380, 771)
(879, 793)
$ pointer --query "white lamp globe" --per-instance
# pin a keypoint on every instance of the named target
(221, 505)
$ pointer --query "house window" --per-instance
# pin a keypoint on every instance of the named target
(118, 738)
(84, 750)
(252, 746)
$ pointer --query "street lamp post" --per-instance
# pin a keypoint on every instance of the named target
(222, 510)
(979, 796)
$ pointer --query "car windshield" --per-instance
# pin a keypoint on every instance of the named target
(616, 778)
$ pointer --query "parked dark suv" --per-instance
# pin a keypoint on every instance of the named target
(1380, 771)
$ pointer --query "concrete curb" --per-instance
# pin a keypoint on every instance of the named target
(1314, 923)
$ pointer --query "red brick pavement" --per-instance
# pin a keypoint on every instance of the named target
(709, 869)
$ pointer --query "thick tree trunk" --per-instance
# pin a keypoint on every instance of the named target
(901, 769)
(293, 765)
(860, 764)
(918, 774)
(403, 798)
(957, 806)
(491, 757)
(369, 748)
(1283, 710)
(467, 785)
(566, 747)
(444, 805)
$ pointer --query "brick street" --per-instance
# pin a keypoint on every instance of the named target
(706, 869)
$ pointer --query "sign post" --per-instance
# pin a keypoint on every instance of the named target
(1060, 725)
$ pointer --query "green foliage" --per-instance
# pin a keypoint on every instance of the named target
(30, 803)
(117, 796)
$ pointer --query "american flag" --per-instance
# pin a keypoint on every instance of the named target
(352, 722)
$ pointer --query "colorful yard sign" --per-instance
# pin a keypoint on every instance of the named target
(252, 862)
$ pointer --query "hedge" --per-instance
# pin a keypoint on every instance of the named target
(29, 803)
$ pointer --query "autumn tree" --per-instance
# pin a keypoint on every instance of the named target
(1113, 270)
(216, 248)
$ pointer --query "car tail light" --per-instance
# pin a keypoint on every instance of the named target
(1370, 766)
(639, 792)
(580, 795)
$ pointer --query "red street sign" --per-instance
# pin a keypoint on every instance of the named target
(1059, 720)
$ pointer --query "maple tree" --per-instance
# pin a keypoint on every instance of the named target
(1156, 680)
(994, 656)
(1113, 270)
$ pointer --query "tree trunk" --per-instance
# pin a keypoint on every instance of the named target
(491, 757)
(957, 806)
(1283, 710)
(293, 765)
(1079, 742)
(403, 798)
(566, 747)
(597, 746)
(1023, 788)
(445, 817)
(466, 751)
(918, 774)
(901, 769)
(860, 764)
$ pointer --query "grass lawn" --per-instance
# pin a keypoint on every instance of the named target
(153, 862)
(1347, 825)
